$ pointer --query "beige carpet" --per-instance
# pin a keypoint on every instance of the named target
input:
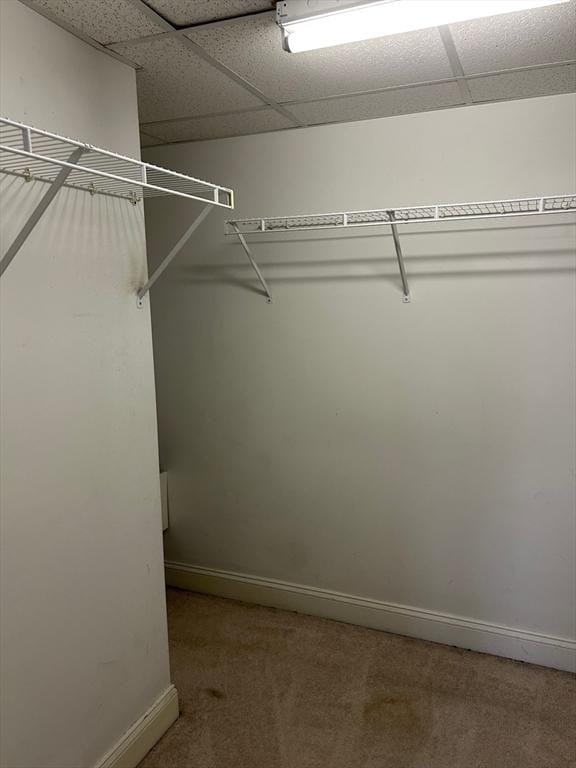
(261, 688)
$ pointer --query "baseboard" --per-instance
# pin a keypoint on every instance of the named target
(532, 647)
(141, 737)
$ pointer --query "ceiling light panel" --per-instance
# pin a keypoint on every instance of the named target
(311, 24)
(104, 22)
(252, 48)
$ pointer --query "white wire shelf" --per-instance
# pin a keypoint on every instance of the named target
(36, 154)
(487, 209)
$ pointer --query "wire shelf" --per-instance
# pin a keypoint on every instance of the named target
(35, 154)
(430, 213)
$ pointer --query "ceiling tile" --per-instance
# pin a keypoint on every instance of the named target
(526, 38)
(104, 22)
(184, 12)
(175, 82)
(221, 126)
(252, 48)
(386, 104)
(523, 85)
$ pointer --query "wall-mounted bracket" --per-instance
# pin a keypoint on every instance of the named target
(255, 267)
(418, 214)
(37, 213)
(405, 287)
(172, 255)
(35, 154)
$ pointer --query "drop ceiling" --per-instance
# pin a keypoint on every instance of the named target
(215, 68)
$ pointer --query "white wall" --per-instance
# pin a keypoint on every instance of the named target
(418, 454)
(84, 645)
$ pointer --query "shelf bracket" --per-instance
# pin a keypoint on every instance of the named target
(405, 287)
(37, 213)
(172, 255)
(253, 263)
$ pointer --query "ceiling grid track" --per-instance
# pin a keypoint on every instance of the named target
(455, 63)
(209, 59)
(220, 113)
(371, 92)
(149, 135)
(220, 19)
(290, 106)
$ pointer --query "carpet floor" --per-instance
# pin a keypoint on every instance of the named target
(263, 688)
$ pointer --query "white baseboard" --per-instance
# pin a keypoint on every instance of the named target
(141, 737)
(557, 652)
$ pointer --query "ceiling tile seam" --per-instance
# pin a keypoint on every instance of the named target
(229, 21)
(152, 37)
(328, 122)
(402, 114)
(149, 135)
(226, 20)
(359, 120)
(424, 83)
(265, 107)
(176, 31)
(399, 114)
(371, 92)
(224, 113)
(217, 64)
(352, 94)
(144, 39)
(166, 142)
(455, 63)
(481, 102)
(151, 14)
(79, 34)
(160, 18)
(512, 70)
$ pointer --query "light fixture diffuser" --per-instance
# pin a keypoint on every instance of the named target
(310, 24)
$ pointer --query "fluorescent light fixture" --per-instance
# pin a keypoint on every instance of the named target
(310, 24)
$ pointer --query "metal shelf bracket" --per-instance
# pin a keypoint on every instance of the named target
(171, 255)
(405, 287)
(34, 154)
(431, 214)
(253, 264)
(37, 213)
